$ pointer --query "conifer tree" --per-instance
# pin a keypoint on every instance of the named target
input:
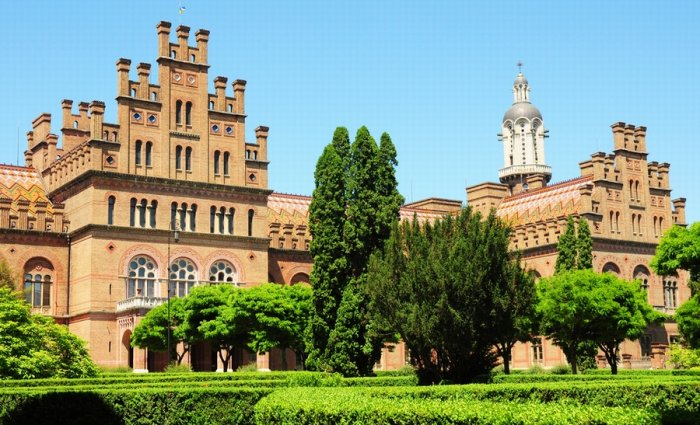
(584, 245)
(567, 247)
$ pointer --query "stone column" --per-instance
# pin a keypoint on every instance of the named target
(263, 362)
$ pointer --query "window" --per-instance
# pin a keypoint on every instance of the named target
(193, 58)
(188, 159)
(645, 345)
(38, 277)
(222, 216)
(173, 215)
(642, 274)
(670, 292)
(231, 214)
(178, 157)
(226, 158)
(141, 280)
(154, 96)
(149, 149)
(178, 112)
(132, 212)
(222, 271)
(537, 350)
(183, 276)
(229, 107)
(137, 157)
(217, 156)
(173, 54)
(154, 208)
(188, 113)
(183, 215)
(212, 219)
(611, 268)
(193, 217)
(251, 213)
(110, 210)
(211, 104)
(143, 206)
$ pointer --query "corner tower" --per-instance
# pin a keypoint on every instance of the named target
(523, 134)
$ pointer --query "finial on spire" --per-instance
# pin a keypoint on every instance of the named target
(520, 66)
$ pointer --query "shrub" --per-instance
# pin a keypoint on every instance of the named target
(248, 367)
(177, 368)
(684, 358)
(535, 369)
(561, 369)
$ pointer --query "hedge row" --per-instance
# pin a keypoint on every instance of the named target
(593, 377)
(646, 372)
(349, 406)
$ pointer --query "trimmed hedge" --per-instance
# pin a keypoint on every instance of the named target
(521, 378)
(349, 406)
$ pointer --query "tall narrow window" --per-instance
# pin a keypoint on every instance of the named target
(178, 157)
(178, 112)
(173, 216)
(656, 232)
(110, 210)
(188, 159)
(226, 158)
(251, 213)
(231, 215)
(149, 149)
(137, 154)
(188, 113)
(183, 216)
(212, 219)
(537, 351)
(634, 224)
(37, 288)
(632, 190)
(193, 218)
(636, 190)
(617, 222)
(217, 156)
(142, 213)
(132, 212)
(222, 218)
(154, 208)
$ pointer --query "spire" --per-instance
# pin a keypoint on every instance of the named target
(521, 91)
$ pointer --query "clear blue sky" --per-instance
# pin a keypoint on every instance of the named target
(436, 75)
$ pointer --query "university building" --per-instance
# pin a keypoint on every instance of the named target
(172, 196)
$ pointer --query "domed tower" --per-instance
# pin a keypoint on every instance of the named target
(523, 134)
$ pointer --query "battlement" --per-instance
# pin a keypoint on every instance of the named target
(628, 137)
(181, 50)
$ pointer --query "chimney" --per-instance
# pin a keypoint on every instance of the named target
(640, 138)
(97, 111)
(66, 106)
(261, 139)
(163, 28)
(123, 66)
(143, 70)
(663, 174)
(220, 86)
(183, 33)
(679, 210)
(239, 95)
(202, 40)
(618, 135)
(629, 136)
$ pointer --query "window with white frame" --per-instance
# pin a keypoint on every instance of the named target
(141, 279)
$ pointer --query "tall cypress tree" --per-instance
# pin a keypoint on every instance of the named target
(330, 270)
(566, 259)
(387, 187)
(584, 245)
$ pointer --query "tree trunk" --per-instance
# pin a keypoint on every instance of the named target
(574, 366)
(506, 361)
(284, 358)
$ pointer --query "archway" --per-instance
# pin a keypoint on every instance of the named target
(611, 268)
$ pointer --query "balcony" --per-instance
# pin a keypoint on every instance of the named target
(139, 303)
(525, 169)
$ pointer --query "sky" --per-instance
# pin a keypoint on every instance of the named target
(437, 76)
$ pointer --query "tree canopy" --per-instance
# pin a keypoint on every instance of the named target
(679, 248)
(34, 346)
(355, 203)
(575, 247)
(581, 305)
(448, 289)
(152, 331)
(688, 318)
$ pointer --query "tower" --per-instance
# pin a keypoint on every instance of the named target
(523, 134)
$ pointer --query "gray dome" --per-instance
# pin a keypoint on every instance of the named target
(520, 79)
(522, 110)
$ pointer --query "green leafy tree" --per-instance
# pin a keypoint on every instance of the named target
(215, 314)
(581, 305)
(34, 346)
(355, 203)
(688, 318)
(566, 258)
(584, 246)
(152, 331)
(280, 315)
(679, 248)
(442, 286)
(8, 278)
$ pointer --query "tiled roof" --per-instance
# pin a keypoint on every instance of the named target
(287, 208)
(554, 201)
(18, 183)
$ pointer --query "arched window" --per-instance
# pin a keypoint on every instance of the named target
(632, 190)
(137, 155)
(149, 149)
(222, 217)
(183, 277)
(230, 107)
(217, 156)
(110, 210)
(178, 157)
(255, 155)
(636, 190)
(154, 208)
(211, 104)
(212, 219)
(38, 277)
(143, 206)
(173, 215)
(611, 268)
(178, 112)
(251, 213)
(222, 271)
(634, 224)
(183, 216)
(141, 279)
(193, 58)
(642, 274)
(132, 212)
(188, 113)
(154, 96)
(670, 292)
(75, 124)
(133, 92)
(300, 278)
(617, 222)
(231, 215)
(639, 224)
(173, 54)
(247, 154)
(193, 218)
(612, 222)
(656, 230)
(188, 159)
(226, 158)
(114, 136)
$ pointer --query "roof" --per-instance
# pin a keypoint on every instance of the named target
(288, 208)
(553, 201)
(17, 183)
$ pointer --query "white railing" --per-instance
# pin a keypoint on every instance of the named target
(136, 303)
(524, 169)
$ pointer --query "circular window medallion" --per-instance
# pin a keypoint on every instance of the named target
(177, 77)
(137, 116)
(191, 79)
(152, 119)
(229, 130)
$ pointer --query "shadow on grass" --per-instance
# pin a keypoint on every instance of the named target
(72, 408)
